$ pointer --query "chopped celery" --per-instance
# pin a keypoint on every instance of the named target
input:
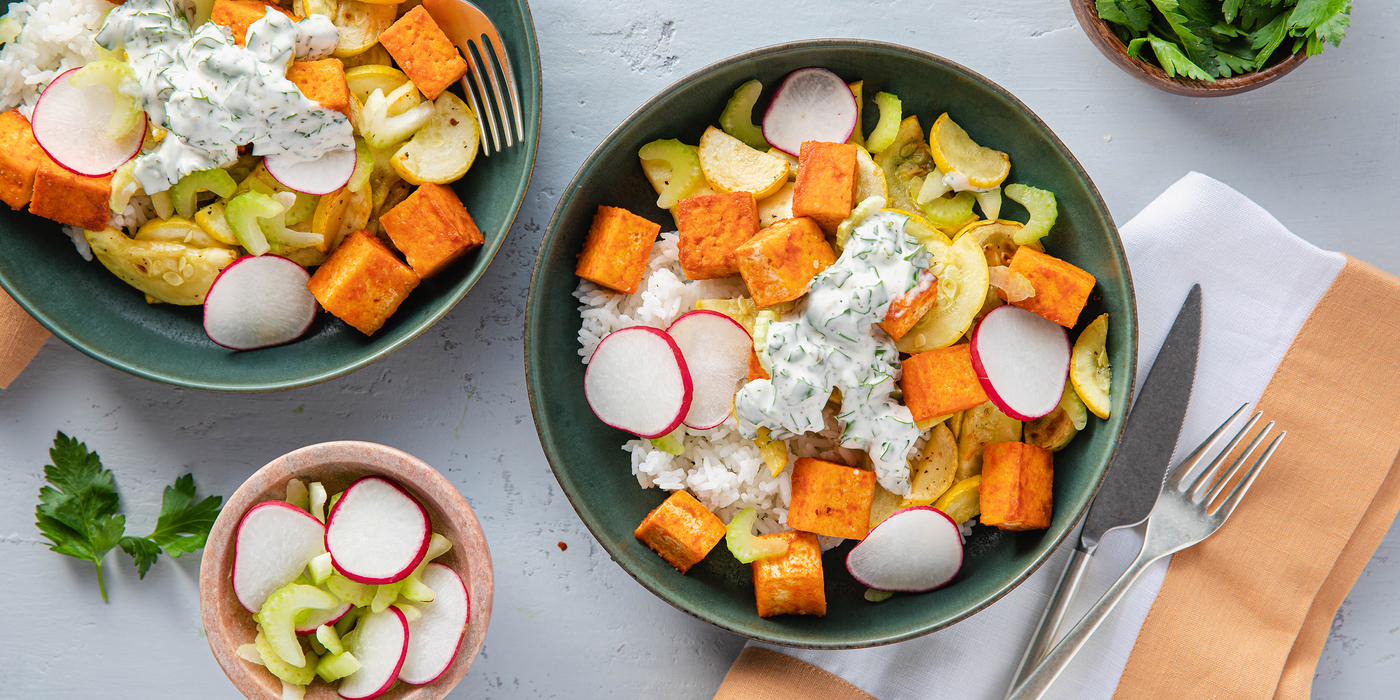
(669, 443)
(111, 74)
(161, 202)
(437, 547)
(243, 214)
(685, 169)
(337, 666)
(9, 29)
(875, 596)
(296, 675)
(316, 645)
(260, 180)
(990, 201)
(124, 185)
(742, 543)
(949, 212)
(1041, 206)
(353, 592)
(292, 691)
(381, 130)
(346, 623)
(278, 618)
(249, 652)
(737, 117)
(888, 126)
(415, 590)
(410, 613)
(326, 635)
(364, 166)
(321, 568)
(317, 492)
(297, 494)
(183, 193)
(864, 210)
(384, 595)
(331, 503)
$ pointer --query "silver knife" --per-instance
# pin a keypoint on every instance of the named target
(1135, 475)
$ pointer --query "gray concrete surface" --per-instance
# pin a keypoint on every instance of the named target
(1317, 149)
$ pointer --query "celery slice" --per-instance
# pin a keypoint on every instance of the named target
(125, 114)
(364, 165)
(1042, 208)
(318, 501)
(381, 130)
(744, 545)
(124, 185)
(316, 645)
(669, 443)
(278, 619)
(949, 211)
(875, 596)
(9, 29)
(410, 613)
(685, 169)
(990, 201)
(353, 592)
(321, 568)
(347, 623)
(384, 595)
(415, 590)
(326, 635)
(737, 117)
(184, 192)
(337, 666)
(296, 675)
(888, 126)
(243, 214)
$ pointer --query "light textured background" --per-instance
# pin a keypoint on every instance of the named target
(1317, 149)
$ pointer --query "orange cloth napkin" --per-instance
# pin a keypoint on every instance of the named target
(20, 339)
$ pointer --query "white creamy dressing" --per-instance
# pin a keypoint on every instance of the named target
(958, 182)
(834, 344)
(213, 95)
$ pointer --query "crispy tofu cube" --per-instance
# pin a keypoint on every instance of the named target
(779, 263)
(432, 229)
(322, 81)
(756, 370)
(1061, 289)
(362, 283)
(905, 311)
(238, 15)
(940, 382)
(831, 499)
(20, 157)
(826, 183)
(618, 247)
(711, 227)
(1016, 486)
(681, 530)
(791, 584)
(424, 52)
(70, 198)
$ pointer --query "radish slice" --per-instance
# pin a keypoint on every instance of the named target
(379, 644)
(324, 175)
(70, 124)
(434, 637)
(273, 544)
(913, 551)
(1022, 361)
(257, 302)
(811, 104)
(377, 533)
(638, 381)
(716, 350)
(322, 617)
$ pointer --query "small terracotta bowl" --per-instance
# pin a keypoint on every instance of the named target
(1101, 34)
(337, 465)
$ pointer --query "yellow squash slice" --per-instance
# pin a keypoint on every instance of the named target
(1089, 369)
(962, 289)
(730, 165)
(443, 150)
(953, 149)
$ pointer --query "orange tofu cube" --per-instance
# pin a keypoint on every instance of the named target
(20, 156)
(238, 15)
(1016, 486)
(905, 311)
(792, 583)
(681, 530)
(711, 227)
(424, 52)
(831, 499)
(70, 198)
(826, 183)
(362, 283)
(322, 81)
(756, 370)
(618, 247)
(779, 262)
(432, 229)
(1061, 289)
(940, 382)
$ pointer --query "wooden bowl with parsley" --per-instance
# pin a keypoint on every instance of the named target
(1211, 48)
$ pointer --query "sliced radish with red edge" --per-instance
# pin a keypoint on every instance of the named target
(380, 644)
(716, 350)
(273, 544)
(434, 637)
(1022, 360)
(259, 301)
(322, 617)
(913, 551)
(70, 124)
(377, 533)
(811, 104)
(638, 381)
(324, 175)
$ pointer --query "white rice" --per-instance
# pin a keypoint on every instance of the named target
(55, 35)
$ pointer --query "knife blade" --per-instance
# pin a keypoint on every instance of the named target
(1137, 470)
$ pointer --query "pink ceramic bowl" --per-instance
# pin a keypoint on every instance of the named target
(336, 465)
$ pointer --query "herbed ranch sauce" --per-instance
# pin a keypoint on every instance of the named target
(835, 344)
(213, 95)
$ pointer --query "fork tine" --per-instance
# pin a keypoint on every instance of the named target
(1237, 494)
(480, 120)
(1210, 474)
(474, 62)
(504, 60)
(495, 84)
(1235, 468)
(1188, 465)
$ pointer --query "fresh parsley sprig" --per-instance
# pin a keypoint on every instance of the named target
(1209, 39)
(77, 512)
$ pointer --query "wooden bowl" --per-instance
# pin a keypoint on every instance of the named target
(336, 465)
(1108, 44)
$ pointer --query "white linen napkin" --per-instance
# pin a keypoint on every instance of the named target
(1259, 284)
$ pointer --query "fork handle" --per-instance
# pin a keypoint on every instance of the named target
(1054, 614)
(1055, 662)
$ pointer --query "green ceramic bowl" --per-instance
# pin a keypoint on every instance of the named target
(87, 306)
(586, 454)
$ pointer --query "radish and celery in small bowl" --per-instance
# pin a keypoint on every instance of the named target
(353, 569)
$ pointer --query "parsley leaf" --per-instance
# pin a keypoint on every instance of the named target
(1175, 62)
(183, 526)
(1134, 14)
(1193, 37)
(78, 513)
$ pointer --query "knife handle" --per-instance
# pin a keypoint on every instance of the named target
(1060, 601)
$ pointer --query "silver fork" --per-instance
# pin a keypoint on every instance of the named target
(468, 27)
(1180, 518)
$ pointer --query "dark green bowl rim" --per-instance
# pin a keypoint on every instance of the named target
(488, 252)
(533, 385)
